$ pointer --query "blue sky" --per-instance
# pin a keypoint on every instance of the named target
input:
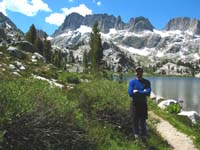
(49, 14)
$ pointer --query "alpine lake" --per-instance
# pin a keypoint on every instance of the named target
(186, 89)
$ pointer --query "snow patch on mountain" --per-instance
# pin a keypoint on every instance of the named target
(69, 33)
(197, 56)
(8, 26)
(160, 54)
(142, 52)
(164, 33)
(122, 46)
(84, 29)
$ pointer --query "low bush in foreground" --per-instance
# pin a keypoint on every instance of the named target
(37, 116)
(94, 115)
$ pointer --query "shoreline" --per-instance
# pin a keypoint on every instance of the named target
(193, 115)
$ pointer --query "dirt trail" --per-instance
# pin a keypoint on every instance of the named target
(176, 139)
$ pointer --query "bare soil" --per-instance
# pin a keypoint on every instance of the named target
(175, 138)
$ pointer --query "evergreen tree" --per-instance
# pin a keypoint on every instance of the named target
(85, 60)
(96, 48)
(31, 35)
(39, 45)
(47, 50)
(58, 59)
(55, 59)
(71, 57)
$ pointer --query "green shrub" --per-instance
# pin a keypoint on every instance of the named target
(103, 93)
(93, 115)
(86, 76)
(73, 79)
(69, 77)
(184, 120)
(44, 129)
(3, 48)
(20, 95)
(45, 71)
(174, 108)
(35, 115)
(197, 126)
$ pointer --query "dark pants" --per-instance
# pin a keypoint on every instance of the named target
(139, 118)
(139, 124)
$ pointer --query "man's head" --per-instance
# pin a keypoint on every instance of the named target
(139, 72)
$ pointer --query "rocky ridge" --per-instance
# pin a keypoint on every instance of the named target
(9, 33)
(105, 21)
(173, 50)
(184, 24)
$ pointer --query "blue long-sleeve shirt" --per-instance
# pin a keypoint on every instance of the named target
(139, 98)
(143, 87)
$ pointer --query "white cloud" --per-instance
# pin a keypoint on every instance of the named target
(24, 6)
(55, 18)
(81, 9)
(3, 7)
(58, 18)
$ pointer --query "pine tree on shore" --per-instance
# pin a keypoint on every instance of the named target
(96, 49)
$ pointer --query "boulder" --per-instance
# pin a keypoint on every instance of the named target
(153, 96)
(159, 98)
(37, 57)
(192, 115)
(26, 46)
(12, 67)
(50, 81)
(166, 103)
(197, 75)
(16, 53)
(19, 65)
(16, 73)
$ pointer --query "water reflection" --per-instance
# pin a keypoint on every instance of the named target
(186, 89)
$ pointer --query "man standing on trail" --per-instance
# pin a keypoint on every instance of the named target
(139, 88)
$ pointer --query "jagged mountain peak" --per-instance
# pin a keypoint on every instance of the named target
(139, 24)
(5, 22)
(8, 26)
(41, 34)
(74, 20)
(2, 17)
(105, 21)
(184, 24)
